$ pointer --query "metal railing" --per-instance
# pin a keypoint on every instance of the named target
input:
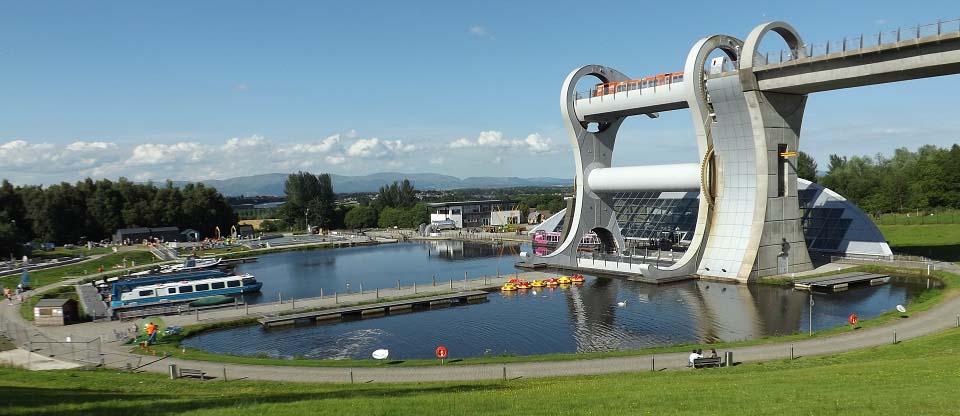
(628, 87)
(859, 42)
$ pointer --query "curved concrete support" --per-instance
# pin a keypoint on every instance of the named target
(752, 44)
(650, 178)
(591, 150)
(702, 112)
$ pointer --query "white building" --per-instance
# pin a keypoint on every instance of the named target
(468, 214)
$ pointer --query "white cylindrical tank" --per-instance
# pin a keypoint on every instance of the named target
(666, 178)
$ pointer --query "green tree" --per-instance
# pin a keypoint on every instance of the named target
(361, 217)
(806, 167)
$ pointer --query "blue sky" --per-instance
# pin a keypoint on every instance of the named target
(198, 90)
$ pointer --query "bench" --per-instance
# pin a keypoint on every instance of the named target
(187, 372)
(706, 362)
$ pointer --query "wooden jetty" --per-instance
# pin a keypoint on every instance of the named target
(840, 282)
(377, 308)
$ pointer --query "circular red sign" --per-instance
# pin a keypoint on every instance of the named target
(853, 319)
(441, 352)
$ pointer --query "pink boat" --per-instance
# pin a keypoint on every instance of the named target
(552, 239)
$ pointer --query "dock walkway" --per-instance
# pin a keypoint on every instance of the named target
(840, 282)
(380, 307)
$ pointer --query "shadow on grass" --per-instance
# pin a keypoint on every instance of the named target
(946, 252)
(38, 401)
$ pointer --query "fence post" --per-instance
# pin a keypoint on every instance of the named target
(336, 298)
(224, 373)
(414, 287)
(293, 301)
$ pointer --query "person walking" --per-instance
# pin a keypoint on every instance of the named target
(152, 333)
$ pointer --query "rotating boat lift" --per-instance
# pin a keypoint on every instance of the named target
(748, 223)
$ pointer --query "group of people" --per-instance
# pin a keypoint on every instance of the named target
(695, 354)
(10, 295)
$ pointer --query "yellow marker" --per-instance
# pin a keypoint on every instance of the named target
(788, 154)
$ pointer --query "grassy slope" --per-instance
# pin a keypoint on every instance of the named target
(913, 377)
(55, 274)
(940, 241)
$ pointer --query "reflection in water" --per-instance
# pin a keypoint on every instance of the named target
(571, 319)
(300, 274)
(459, 250)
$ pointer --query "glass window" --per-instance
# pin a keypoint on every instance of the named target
(233, 283)
(171, 290)
(186, 289)
(145, 293)
(218, 285)
(203, 287)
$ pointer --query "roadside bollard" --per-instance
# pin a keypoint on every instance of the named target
(336, 298)
(791, 352)
(351, 376)
(224, 373)
(451, 283)
(504, 372)
(378, 293)
(434, 280)
(321, 293)
(653, 363)
(398, 285)
(414, 287)
(894, 336)
(293, 301)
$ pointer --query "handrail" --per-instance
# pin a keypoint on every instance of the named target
(856, 44)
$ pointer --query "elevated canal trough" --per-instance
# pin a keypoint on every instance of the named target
(840, 282)
(377, 308)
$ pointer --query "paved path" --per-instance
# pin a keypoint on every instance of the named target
(940, 317)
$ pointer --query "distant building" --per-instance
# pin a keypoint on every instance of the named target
(190, 235)
(537, 216)
(242, 231)
(137, 235)
(55, 312)
(467, 214)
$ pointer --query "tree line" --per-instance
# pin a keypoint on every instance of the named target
(94, 210)
(907, 181)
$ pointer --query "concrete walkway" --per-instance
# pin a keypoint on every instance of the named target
(32, 361)
(941, 317)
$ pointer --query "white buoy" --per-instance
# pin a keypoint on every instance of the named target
(622, 303)
(901, 309)
(381, 354)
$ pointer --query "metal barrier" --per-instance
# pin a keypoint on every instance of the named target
(34, 340)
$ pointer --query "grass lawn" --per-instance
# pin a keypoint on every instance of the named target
(913, 377)
(55, 274)
(939, 241)
(63, 292)
(62, 252)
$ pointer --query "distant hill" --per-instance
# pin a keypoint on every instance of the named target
(272, 183)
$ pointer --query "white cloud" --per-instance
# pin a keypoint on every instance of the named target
(28, 161)
(375, 147)
(534, 143)
(481, 31)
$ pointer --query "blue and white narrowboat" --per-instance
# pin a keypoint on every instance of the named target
(185, 290)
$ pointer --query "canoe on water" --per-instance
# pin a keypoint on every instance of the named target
(211, 300)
